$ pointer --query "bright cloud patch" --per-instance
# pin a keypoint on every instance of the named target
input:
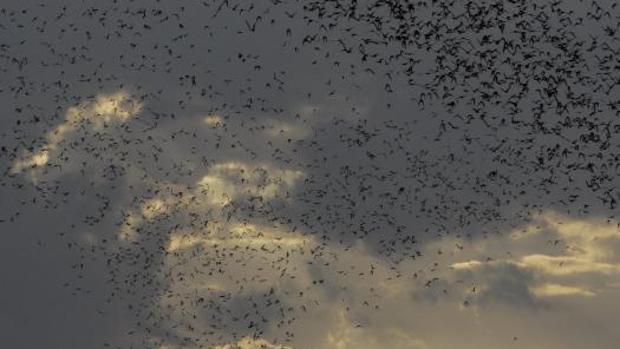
(552, 256)
(213, 120)
(551, 290)
(226, 181)
(240, 235)
(251, 343)
(94, 114)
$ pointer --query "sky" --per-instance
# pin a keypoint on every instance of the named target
(309, 174)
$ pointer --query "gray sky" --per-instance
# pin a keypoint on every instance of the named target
(236, 174)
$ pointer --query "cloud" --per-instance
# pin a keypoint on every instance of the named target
(587, 246)
(213, 120)
(251, 343)
(277, 129)
(351, 296)
(196, 225)
(553, 255)
(240, 235)
(505, 283)
(345, 334)
(243, 343)
(336, 315)
(95, 114)
(567, 265)
(224, 182)
(552, 290)
(212, 196)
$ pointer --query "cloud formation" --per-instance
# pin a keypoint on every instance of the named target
(96, 114)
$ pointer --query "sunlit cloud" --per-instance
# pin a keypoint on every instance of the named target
(94, 114)
(129, 228)
(566, 265)
(30, 161)
(226, 181)
(243, 343)
(240, 235)
(153, 208)
(586, 251)
(371, 289)
(213, 120)
(223, 183)
(466, 265)
(251, 343)
(554, 254)
(553, 290)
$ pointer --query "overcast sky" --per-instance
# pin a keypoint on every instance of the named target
(309, 174)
